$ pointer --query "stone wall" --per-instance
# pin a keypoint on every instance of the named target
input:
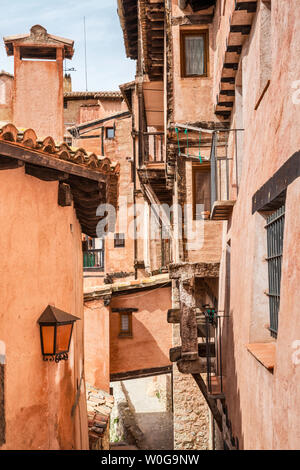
(142, 415)
(191, 413)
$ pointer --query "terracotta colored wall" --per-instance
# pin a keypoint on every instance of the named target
(41, 264)
(192, 96)
(119, 149)
(96, 344)
(6, 95)
(38, 99)
(263, 407)
(72, 111)
(152, 335)
(204, 236)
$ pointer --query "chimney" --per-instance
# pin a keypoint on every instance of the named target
(67, 83)
(38, 84)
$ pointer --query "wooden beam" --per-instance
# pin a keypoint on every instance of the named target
(240, 28)
(210, 401)
(8, 149)
(175, 353)
(138, 374)
(124, 310)
(272, 194)
(44, 174)
(10, 163)
(64, 195)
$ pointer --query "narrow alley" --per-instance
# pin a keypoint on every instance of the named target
(150, 228)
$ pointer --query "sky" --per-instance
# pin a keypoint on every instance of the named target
(107, 65)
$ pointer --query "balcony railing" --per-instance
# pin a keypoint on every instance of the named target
(215, 379)
(93, 260)
(153, 147)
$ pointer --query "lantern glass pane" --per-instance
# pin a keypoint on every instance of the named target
(48, 339)
(63, 338)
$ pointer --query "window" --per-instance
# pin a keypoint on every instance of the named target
(194, 53)
(275, 230)
(110, 132)
(68, 141)
(119, 240)
(125, 324)
(93, 254)
(201, 190)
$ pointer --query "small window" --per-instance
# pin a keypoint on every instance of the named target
(201, 191)
(194, 53)
(125, 324)
(119, 240)
(110, 132)
(65, 104)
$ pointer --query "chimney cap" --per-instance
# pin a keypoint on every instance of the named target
(41, 41)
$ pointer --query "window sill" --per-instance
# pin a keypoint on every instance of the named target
(125, 335)
(264, 353)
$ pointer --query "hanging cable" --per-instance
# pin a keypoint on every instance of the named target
(187, 141)
(200, 148)
(177, 132)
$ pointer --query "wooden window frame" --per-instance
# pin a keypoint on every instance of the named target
(194, 32)
(125, 333)
(198, 168)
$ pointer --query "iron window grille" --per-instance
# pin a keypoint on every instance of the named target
(275, 231)
(125, 325)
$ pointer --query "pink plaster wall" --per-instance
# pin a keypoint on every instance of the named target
(41, 264)
(152, 335)
(96, 344)
(263, 407)
(6, 96)
(193, 98)
(38, 96)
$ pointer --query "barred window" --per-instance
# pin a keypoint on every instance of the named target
(275, 231)
(119, 240)
(125, 324)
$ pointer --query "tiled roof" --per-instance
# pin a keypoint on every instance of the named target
(92, 179)
(99, 407)
(93, 94)
(28, 138)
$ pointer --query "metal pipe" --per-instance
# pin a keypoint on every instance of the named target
(213, 171)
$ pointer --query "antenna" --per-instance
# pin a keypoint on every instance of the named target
(86, 83)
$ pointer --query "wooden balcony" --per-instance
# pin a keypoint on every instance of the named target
(222, 210)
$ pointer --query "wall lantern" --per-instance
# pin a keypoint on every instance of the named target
(56, 329)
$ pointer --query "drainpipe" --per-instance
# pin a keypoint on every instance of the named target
(135, 249)
(102, 140)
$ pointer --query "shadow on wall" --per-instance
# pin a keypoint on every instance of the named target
(142, 351)
(232, 405)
